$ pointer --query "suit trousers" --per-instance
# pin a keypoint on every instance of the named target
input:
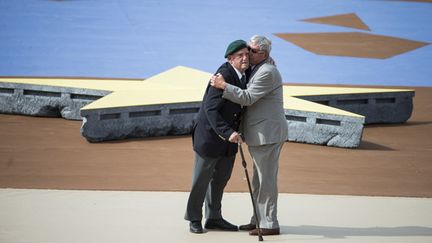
(210, 176)
(264, 183)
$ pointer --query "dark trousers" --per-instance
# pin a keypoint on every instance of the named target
(210, 176)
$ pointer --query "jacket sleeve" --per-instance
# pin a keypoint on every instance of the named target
(212, 109)
(262, 85)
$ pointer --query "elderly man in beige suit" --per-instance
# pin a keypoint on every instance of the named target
(264, 127)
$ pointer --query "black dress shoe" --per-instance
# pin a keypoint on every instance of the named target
(247, 227)
(220, 224)
(196, 227)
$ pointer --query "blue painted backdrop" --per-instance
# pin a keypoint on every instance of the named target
(137, 38)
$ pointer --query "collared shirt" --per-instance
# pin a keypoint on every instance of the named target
(239, 74)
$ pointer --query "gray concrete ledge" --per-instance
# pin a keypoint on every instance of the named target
(47, 101)
(324, 129)
(177, 119)
(388, 107)
(138, 121)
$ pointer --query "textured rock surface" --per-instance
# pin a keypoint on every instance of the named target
(391, 107)
(50, 101)
(177, 119)
(324, 129)
(138, 121)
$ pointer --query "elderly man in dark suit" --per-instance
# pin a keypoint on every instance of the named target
(215, 139)
(265, 130)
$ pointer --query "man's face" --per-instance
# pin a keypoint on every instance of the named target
(240, 59)
(255, 55)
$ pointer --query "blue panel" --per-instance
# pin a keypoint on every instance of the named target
(137, 39)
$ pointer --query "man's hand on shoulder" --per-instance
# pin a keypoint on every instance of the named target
(218, 81)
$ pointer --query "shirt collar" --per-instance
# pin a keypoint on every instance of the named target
(239, 74)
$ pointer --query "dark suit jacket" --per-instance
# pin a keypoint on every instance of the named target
(217, 119)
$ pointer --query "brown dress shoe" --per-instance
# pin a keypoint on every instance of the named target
(264, 231)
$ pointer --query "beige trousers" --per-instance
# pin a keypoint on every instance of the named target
(264, 183)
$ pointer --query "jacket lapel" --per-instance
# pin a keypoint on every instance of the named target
(256, 68)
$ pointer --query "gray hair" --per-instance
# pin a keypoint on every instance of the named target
(263, 42)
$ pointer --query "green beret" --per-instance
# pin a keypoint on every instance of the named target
(235, 46)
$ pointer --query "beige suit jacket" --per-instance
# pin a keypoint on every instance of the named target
(264, 121)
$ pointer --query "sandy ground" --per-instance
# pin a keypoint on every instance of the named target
(50, 153)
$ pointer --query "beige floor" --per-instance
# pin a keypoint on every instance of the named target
(114, 216)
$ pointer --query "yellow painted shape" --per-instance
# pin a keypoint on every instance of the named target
(293, 103)
(95, 84)
(177, 85)
(182, 77)
(137, 97)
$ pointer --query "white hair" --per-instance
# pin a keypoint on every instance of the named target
(263, 42)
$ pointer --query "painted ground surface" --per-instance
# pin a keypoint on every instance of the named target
(138, 39)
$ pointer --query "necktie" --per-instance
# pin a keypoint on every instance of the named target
(243, 80)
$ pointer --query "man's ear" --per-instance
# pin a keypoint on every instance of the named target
(229, 59)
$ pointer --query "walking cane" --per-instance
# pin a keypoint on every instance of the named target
(260, 238)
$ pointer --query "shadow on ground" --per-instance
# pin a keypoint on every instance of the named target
(342, 232)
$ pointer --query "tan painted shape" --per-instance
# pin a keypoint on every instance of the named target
(146, 95)
(350, 20)
(353, 44)
(293, 103)
(177, 85)
(181, 76)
